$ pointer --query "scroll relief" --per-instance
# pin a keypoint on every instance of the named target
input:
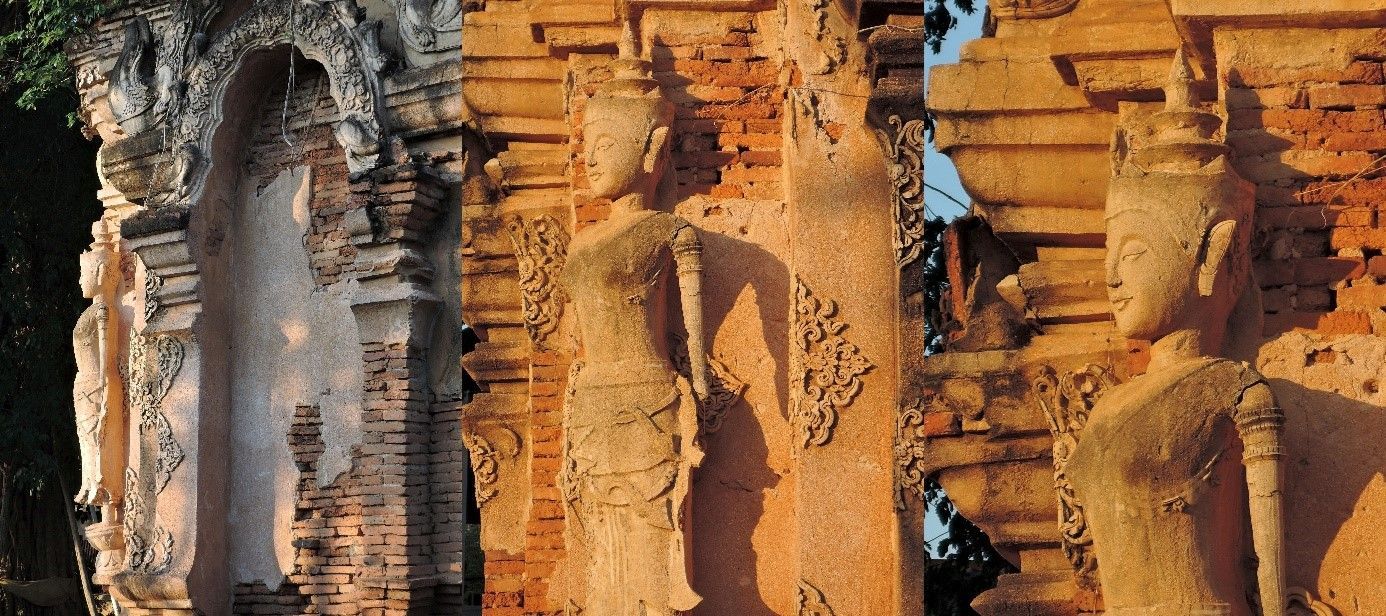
(827, 369)
(811, 601)
(486, 459)
(1066, 400)
(905, 150)
(724, 389)
(154, 362)
(909, 452)
(541, 249)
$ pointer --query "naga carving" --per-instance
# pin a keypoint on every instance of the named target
(541, 248)
(133, 91)
(811, 601)
(905, 153)
(430, 25)
(1067, 400)
(827, 370)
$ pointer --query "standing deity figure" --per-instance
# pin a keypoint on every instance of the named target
(89, 343)
(631, 420)
(1174, 465)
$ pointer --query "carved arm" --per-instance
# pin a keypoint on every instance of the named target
(688, 257)
(1260, 422)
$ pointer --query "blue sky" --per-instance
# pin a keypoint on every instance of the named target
(938, 170)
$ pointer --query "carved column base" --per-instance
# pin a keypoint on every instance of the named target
(1039, 593)
(109, 539)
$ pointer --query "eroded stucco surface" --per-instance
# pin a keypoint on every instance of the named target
(292, 344)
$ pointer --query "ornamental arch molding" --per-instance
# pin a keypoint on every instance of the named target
(333, 34)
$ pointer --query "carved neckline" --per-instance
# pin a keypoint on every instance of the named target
(611, 228)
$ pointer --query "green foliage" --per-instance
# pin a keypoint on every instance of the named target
(32, 33)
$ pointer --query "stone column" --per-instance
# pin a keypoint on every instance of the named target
(175, 505)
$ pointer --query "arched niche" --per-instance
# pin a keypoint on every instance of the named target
(334, 34)
(180, 534)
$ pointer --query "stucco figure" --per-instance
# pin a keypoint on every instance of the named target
(631, 419)
(89, 342)
(1174, 463)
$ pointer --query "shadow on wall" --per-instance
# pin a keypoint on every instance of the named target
(735, 479)
(1336, 462)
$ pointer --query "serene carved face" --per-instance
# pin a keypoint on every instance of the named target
(90, 277)
(1152, 281)
(619, 159)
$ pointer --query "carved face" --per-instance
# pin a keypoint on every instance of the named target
(617, 154)
(90, 277)
(1152, 281)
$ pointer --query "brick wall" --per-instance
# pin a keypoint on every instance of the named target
(1312, 139)
(311, 114)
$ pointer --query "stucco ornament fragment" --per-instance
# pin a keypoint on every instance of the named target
(1030, 9)
(430, 25)
(631, 421)
(724, 389)
(91, 342)
(811, 601)
(910, 453)
(1156, 465)
(541, 248)
(827, 368)
(905, 157)
(1067, 400)
(832, 49)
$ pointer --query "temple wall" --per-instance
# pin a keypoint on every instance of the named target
(302, 436)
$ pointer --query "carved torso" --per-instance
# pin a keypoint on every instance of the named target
(630, 418)
(86, 347)
(616, 275)
(1158, 468)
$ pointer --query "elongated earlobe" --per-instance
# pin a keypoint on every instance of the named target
(1216, 243)
(658, 137)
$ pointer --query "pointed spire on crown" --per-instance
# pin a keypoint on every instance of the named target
(1183, 132)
